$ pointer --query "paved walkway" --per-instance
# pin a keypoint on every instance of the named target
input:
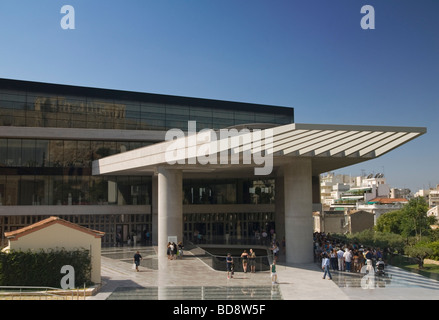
(190, 278)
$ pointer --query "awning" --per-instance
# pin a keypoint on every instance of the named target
(329, 146)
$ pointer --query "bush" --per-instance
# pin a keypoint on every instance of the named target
(43, 268)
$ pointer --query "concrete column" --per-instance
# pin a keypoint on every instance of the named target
(298, 211)
(170, 207)
(279, 208)
(154, 210)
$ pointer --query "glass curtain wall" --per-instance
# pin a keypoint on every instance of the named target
(40, 109)
(229, 228)
(228, 191)
(57, 172)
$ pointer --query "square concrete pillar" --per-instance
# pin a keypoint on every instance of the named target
(298, 211)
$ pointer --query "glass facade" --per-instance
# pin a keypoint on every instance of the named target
(58, 172)
(228, 228)
(228, 191)
(58, 107)
(127, 224)
(53, 171)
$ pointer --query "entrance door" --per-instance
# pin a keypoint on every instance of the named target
(121, 233)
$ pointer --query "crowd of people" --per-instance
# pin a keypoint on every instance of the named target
(248, 263)
(341, 256)
(174, 251)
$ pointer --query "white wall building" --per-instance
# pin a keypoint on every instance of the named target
(434, 212)
(360, 189)
(431, 195)
(433, 199)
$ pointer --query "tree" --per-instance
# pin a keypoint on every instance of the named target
(390, 222)
(420, 251)
(415, 221)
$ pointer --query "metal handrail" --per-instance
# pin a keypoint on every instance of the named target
(38, 291)
(214, 257)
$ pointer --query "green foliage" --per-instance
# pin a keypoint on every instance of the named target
(406, 231)
(419, 251)
(410, 221)
(434, 234)
(378, 240)
(390, 222)
(43, 268)
(414, 220)
(434, 246)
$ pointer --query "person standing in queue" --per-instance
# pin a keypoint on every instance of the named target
(252, 261)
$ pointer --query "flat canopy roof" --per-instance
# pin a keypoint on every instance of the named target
(329, 147)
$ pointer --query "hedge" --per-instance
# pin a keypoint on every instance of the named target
(43, 268)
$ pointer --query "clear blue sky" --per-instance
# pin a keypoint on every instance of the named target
(312, 55)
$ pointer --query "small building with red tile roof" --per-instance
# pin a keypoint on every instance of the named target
(56, 233)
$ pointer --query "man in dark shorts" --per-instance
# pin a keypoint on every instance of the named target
(137, 258)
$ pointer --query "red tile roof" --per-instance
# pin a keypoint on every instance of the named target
(388, 200)
(14, 235)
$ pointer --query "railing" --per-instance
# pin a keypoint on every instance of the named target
(39, 293)
(230, 240)
(218, 261)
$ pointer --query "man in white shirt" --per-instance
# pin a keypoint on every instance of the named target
(347, 258)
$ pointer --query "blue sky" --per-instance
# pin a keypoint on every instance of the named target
(312, 55)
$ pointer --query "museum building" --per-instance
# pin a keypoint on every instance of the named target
(100, 158)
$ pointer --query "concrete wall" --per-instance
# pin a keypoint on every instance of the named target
(360, 221)
(334, 222)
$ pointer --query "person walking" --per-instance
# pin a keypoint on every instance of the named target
(229, 265)
(180, 249)
(136, 259)
(325, 267)
(273, 272)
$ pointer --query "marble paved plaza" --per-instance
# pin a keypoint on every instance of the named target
(191, 279)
